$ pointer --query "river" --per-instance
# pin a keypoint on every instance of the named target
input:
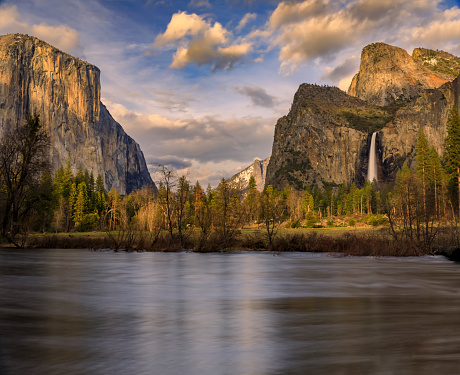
(82, 312)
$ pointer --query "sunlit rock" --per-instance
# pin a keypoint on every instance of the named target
(65, 91)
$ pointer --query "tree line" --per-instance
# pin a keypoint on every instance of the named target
(416, 207)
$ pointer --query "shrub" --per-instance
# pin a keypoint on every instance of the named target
(89, 222)
(295, 224)
(376, 220)
(255, 241)
(311, 219)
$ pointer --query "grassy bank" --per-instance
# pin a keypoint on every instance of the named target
(347, 241)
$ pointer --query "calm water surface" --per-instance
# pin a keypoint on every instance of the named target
(82, 312)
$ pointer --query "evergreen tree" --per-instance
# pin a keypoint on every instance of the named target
(58, 179)
(252, 183)
(81, 204)
(439, 182)
(202, 212)
(72, 199)
(424, 165)
(252, 200)
(182, 195)
(452, 149)
(67, 180)
(308, 201)
(100, 196)
(80, 176)
(47, 202)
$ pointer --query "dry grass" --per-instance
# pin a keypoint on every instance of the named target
(352, 242)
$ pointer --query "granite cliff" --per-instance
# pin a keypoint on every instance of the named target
(389, 74)
(258, 169)
(325, 137)
(322, 139)
(65, 91)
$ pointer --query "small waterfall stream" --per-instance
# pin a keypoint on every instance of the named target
(372, 167)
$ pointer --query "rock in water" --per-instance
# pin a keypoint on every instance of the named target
(65, 91)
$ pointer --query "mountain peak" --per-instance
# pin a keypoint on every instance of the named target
(16, 41)
(388, 74)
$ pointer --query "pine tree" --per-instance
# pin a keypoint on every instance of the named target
(438, 178)
(100, 196)
(252, 200)
(72, 199)
(452, 148)
(92, 195)
(182, 195)
(80, 176)
(424, 165)
(47, 202)
(81, 204)
(67, 180)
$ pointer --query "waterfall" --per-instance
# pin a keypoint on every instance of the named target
(372, 167)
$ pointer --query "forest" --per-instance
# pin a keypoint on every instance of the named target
(417, 214)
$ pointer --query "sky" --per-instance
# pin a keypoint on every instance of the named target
(200, 84)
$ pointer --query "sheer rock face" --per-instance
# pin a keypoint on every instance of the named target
(426, 88)
(325, 138)
(316, 143)
(37, 78)
(429, 111)
(258, 169)
(389, 74)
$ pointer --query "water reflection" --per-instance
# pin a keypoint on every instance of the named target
(79, 312)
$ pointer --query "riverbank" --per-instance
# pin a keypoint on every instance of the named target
(356, 242)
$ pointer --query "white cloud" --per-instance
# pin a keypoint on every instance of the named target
(210, 140)
(180, 26)
(201, 42)
(445, 28)
(288, 13)
(61, 36)
(9, 16)
(320, 29)
(248, 17)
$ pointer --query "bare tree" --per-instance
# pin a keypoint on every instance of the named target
(272, 211)
(167, 184)
(228, 212)
(182, 196)
(24, 156)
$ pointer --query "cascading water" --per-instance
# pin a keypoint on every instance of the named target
(372, 167)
